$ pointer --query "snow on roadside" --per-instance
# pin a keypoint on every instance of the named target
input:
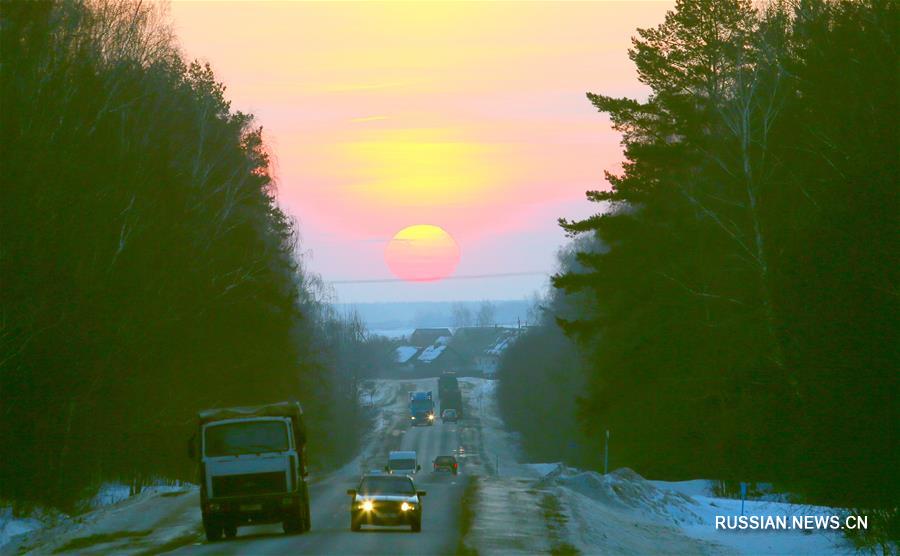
(625, 490)
(11, 526)
(154, 518)
(618, 513)
(562, 510)
(795, 542)
(384, 398)
(377, 393)
(625, 494)
(113, 493)
(23, 531)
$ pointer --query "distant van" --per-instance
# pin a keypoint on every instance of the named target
(402, 463)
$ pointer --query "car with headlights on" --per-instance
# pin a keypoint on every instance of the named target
(386, 500)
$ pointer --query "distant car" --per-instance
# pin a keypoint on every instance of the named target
(446, 463)
(449, 415)
(386, 500)
(402, 463)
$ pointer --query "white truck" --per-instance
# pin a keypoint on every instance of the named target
(252, 468)
(402, 462)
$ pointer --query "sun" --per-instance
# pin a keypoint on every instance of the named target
(422, 253)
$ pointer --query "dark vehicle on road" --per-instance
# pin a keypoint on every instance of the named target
(252, 467)
(452, 399)
(386, 500)
(449, 416)
(446, 463)
(447, 382)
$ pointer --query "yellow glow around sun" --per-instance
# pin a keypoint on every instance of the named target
(418, 167)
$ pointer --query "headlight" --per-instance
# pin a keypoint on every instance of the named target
(413, 418)
(366, 506)
(406, 507)
(431, 417)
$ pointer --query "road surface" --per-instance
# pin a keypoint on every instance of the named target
(330, 505)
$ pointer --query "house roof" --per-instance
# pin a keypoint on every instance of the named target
(477, 340)
(501, 344)
(431, 353)
(423, 337)
(404, 353)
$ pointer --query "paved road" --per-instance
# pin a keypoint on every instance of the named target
(330, 504)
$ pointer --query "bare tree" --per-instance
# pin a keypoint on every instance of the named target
(487, 314)
(462, 315)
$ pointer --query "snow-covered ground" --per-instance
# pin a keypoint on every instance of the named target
(686, 507)
(10, 525)
(544, 507)
(154, 518)
(43, 526)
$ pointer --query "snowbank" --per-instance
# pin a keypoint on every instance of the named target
(698, 487)
(11, 526)
(625, 490)
(377, 393)
(160, 516)
(793, 542)
(618, 513)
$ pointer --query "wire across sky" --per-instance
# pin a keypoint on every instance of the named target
(463, 277)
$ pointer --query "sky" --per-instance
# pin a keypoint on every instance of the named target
(467, 116)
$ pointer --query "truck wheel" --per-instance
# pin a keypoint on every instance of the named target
(416, 525)
(292, 525)
(307, 518)
(230, 531)
(354, 523)
(213, 532)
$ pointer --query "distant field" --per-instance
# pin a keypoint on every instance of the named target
(400, 319)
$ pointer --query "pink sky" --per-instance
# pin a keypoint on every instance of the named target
(467, 116)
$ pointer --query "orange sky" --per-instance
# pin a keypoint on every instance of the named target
(469, 116)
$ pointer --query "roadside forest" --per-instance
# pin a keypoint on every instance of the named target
(147, 270)
(731, 310)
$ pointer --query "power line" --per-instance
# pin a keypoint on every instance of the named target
(464, 277)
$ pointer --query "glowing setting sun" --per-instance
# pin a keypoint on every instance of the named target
(470, 116)
(422, 253)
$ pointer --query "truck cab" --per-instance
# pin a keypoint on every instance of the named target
(252, 468)
(421, 408)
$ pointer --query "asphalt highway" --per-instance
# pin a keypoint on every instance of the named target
(330, 505)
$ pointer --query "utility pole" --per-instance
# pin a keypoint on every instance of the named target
(606, 454)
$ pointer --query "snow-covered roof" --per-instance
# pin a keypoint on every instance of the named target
(431, 353)
(502, 343)
(498, 348)
(404, 353)
(423, 337)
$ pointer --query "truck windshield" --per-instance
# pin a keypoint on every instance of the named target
(252, 437)
(386, 485)
(402, 464)
(421, 405)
